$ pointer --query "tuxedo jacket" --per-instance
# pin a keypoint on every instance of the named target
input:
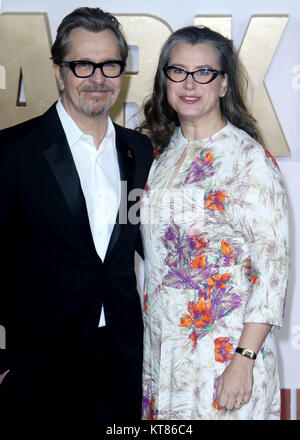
(53, 283)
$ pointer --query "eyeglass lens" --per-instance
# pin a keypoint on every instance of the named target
(108, 69)
(201, 76)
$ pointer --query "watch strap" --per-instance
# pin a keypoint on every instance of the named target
(246, 352)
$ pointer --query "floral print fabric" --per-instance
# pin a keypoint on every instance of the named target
(226, 202)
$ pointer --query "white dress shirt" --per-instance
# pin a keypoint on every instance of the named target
(99, 175)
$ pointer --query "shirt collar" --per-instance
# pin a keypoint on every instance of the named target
(177, 138)
(73, 132)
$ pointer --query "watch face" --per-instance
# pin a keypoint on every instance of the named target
(248, 353)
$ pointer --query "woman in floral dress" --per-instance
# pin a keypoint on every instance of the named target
(214, 197)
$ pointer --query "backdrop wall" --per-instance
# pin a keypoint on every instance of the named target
(282, 82)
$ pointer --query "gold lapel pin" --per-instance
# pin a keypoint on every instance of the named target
(129, 154)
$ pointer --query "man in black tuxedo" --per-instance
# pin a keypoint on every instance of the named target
(69, 302)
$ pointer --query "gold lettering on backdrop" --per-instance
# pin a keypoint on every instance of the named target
(218, 23)
(256, 52)
(148, 33)
(25, 52)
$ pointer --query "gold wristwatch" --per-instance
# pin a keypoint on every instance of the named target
(246, 352)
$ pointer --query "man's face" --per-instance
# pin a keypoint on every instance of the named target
(92, 96)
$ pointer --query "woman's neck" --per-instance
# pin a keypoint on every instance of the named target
(195, 130)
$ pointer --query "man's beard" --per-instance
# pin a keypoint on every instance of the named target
(93, 107)
(94, 110)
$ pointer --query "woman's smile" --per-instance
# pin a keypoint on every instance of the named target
(189, 99)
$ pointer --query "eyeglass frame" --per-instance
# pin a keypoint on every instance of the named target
(209, 69)
(72, 66)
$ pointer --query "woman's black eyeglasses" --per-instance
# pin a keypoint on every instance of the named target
(201, 76)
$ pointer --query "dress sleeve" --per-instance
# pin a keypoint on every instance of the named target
(263, 217)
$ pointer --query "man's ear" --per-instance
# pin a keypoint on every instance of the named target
(59, 77)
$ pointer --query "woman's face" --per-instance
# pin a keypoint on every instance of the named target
(194, 102)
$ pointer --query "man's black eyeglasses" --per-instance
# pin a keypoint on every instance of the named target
(84, 69)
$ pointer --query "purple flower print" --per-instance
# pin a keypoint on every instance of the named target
(202, 167)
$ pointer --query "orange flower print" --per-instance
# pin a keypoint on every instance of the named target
(199, 262)
(223, 349)
(255, 277)
(209, 157)
(226, 249)
(152, 411)
(193, 337)
(145, 302)
(268, 154)
(186, 321)
(231, 256)
(215, 406)
(200, 312)
(199, 316)
(218, 281)
(215, 201)
(198, 242)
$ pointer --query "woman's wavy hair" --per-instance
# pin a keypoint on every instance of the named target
(161, 120)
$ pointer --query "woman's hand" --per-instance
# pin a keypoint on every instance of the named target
(235, 385)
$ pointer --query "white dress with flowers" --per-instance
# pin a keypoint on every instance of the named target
(200, 221)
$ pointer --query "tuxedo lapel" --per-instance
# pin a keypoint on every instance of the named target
(126, 162)
(59, 157)
(60, 160)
